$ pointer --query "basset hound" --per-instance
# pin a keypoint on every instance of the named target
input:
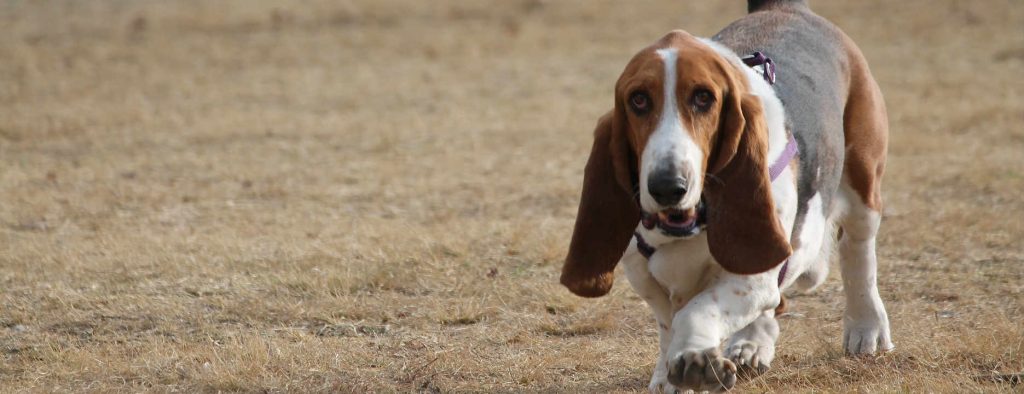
(693, 186)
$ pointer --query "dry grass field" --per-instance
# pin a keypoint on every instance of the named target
(375, 196)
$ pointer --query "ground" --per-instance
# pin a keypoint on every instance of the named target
(376, 196)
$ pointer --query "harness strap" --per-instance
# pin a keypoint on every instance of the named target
(787, 156)
(767, 66)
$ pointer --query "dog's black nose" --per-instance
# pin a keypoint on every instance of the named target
(667, 188)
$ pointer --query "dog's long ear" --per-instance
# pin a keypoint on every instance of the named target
(744, 234)
(608, 212)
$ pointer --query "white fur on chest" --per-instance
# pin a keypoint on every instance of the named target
(683, 267)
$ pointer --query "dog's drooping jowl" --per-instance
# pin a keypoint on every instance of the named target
(728, 172)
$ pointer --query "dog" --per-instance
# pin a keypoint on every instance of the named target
(717, 190)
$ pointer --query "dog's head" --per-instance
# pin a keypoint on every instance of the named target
(684, 127)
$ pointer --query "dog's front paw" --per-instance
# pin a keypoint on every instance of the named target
(660, 385)
(702, 370)
(866, 334)
(659, 381)
(752, 358)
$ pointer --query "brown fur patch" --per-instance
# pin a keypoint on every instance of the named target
(866, 126)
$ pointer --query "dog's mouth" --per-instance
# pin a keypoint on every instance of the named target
(678, 218)
(675, 222)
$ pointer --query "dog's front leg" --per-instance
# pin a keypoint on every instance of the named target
(753, 348)
(729, 303)
(639, 275)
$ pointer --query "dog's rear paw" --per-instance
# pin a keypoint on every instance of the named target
(866, 332)
(702, 370)
(866, 340)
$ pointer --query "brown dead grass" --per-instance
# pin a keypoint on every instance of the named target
(365, 196)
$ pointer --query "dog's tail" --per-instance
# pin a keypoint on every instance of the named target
(757, 5)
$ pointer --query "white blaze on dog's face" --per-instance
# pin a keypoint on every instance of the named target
(672, 94)
(671, 162)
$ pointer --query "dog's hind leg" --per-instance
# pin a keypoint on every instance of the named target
(865, 321)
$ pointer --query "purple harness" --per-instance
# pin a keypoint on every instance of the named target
(649, 221)
(759, 59)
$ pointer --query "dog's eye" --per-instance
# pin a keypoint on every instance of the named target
(702, 100)
(640, 102)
